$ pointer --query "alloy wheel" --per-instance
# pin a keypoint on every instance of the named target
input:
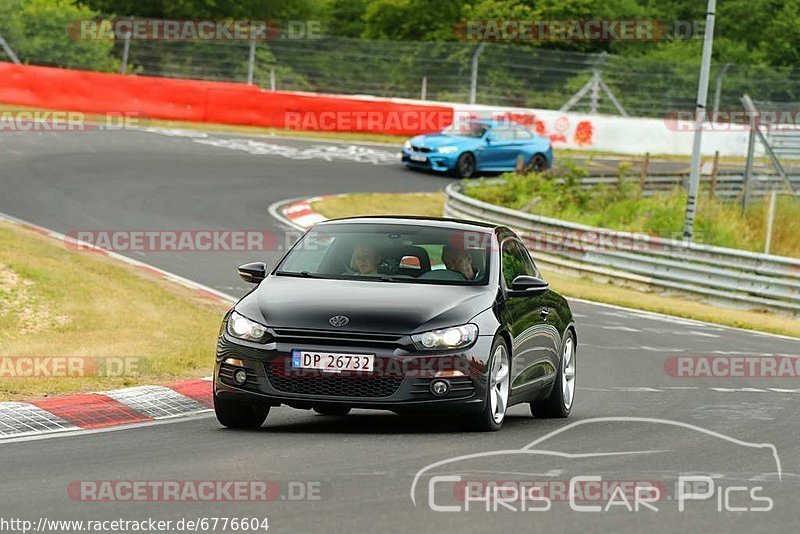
(499, 384)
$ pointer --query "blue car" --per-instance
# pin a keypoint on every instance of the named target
(469, 148)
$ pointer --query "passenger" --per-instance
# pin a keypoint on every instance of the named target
(459, 261)
(366, 259)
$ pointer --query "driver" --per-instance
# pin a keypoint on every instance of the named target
(365, 260)
(459, 261)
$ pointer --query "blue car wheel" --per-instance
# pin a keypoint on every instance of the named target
(465, 165)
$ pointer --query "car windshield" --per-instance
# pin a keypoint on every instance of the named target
(466, 129)
(391, 253)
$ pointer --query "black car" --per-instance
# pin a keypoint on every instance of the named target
(412, 315)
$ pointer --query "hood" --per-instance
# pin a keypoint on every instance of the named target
(438, 139)
(377, 307)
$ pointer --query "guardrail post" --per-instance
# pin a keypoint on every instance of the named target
(712, 190)
(9, 52)
(748, 169)
(473, 85)
(251, 60)
(520, 167)
(126, 49)
(272, 84)
(643, 175)
(770, 218)
(423, 94)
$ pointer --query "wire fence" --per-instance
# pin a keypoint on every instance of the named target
(505, 74)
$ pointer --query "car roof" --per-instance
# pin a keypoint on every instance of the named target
(437, 222)
(494, 123)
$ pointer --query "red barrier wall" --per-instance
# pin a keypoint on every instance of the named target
(218, 102)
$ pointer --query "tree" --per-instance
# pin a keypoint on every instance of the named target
(37, 32)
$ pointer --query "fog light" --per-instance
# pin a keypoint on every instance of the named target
(440, 387)
(240, 377)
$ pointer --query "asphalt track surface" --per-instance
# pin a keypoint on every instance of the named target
(366, 463)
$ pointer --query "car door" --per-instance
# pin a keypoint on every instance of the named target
(500, 150)
(534, 332)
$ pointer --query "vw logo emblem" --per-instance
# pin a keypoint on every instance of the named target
(338, 320)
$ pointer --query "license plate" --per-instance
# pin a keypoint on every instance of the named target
(334, 362)
(419, 157)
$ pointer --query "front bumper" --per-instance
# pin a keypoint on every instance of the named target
(400, 381)
(434, 161)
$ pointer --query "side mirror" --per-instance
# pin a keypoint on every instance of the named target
(529, 284)
(253, 272)
(490, 139)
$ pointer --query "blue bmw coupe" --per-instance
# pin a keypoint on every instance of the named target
(469, 148)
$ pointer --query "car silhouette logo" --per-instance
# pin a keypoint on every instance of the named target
(338, 320)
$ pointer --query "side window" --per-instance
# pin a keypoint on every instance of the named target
(503, 134)
(516, 262)
(522, 133)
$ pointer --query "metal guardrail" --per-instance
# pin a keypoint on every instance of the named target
(728, 186)
(745, 278)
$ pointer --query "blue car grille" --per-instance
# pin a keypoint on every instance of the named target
(416, 148)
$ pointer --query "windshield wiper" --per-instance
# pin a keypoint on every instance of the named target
(302, 274)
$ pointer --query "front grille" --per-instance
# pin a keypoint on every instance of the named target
(311, 382)
(421, 148)
(352, 338)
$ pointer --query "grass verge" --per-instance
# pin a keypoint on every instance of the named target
(622, 207)
(567, 283)
(106, 317)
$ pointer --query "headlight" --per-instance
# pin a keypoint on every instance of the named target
(447, 149)
(241, 327)
(446, 338)
(407, 145)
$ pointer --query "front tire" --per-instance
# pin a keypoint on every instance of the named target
(559, 403)
(233, 414)
(465, 165)
(497, 390)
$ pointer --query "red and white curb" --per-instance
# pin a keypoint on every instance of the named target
(83, 411)
(298, 213)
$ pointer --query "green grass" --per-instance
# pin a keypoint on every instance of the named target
(717, 222)
(57, 302)
(427, 204)
(570, 284)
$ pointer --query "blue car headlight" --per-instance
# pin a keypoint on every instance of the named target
(447, 149)
(407, 145)
(446, 338)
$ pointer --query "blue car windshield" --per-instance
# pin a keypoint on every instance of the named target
(469, 129)
(391, 253)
